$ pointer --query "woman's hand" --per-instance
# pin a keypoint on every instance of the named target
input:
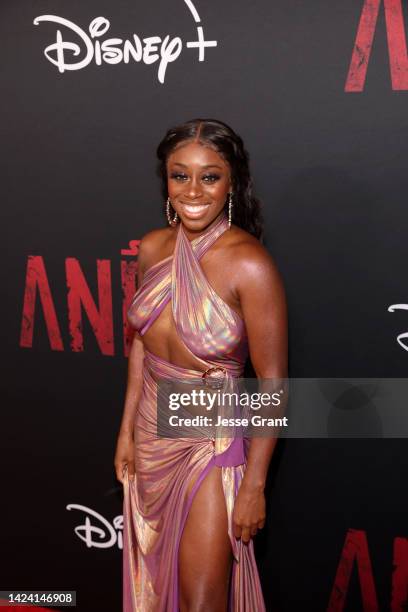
(249, 512)
(124, 456)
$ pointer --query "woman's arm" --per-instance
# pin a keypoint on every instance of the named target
(263, 302)
(134, 385)
(124, 455)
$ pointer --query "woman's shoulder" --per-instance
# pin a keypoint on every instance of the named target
(155, 237)
(250, 264)
(246, 250)
(153, 243)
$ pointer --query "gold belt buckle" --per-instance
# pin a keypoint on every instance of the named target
(214, 377)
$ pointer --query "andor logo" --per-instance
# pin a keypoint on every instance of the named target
(82, 47)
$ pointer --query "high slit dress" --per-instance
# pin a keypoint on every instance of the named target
(157, 500)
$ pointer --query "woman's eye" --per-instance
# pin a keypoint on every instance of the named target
(211, 178)
(178, 176)
(181, 177)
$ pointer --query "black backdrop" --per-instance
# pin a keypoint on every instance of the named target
(78, 183)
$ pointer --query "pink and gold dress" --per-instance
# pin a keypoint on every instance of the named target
(157, 500)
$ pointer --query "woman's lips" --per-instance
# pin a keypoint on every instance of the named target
(194, 210)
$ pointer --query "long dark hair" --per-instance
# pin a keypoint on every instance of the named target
(246, 211)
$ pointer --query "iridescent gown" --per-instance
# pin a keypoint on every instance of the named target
(156, 501)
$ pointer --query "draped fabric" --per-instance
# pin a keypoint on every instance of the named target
(157, 500)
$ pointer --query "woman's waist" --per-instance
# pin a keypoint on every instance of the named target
(213, 373)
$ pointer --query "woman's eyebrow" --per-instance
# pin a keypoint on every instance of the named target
(206, 166)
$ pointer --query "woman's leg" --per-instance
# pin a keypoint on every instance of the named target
(205, 550)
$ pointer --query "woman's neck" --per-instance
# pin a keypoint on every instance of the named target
(193, 235)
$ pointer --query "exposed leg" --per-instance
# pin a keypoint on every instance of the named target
(205, 550)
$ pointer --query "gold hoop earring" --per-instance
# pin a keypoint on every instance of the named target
(171, 221)
(230, 205)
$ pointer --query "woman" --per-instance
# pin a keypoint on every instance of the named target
(208, 295)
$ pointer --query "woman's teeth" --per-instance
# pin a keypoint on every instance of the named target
(195, 209)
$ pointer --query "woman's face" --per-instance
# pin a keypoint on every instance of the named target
(198, 181)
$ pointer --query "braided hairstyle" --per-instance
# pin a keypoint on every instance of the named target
(246, 211)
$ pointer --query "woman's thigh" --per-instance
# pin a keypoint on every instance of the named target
(205, 549)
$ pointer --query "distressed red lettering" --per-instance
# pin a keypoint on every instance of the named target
(355, 549)
(397, 45)
(79, 294)
(399, 595)
(36, 279)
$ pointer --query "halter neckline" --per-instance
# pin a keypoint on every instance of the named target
(221, 224)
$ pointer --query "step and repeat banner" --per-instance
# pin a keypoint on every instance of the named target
(319, 93)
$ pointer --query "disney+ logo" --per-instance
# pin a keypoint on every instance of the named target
(86, 46)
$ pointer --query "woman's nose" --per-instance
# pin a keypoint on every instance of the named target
(194, 188)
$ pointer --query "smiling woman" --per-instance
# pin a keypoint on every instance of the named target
(208, 296)
(199, 181)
